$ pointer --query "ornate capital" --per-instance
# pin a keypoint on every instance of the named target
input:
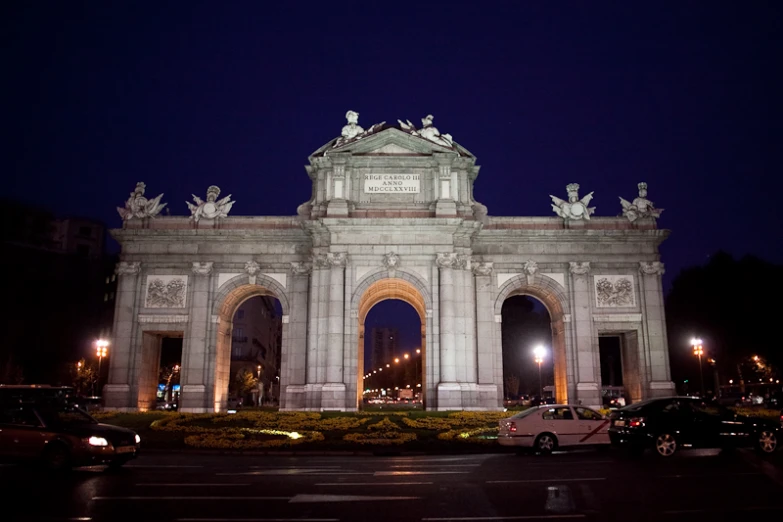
(202, 268)
(301, 268)
(579, 267)
(125, 268)
(391, 260)
(462, 262)
(252, 268)
(320, 261)
(651, 268)
(337, 259)
(447, 260)
(482, 269)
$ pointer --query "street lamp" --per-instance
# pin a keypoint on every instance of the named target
(259, 371)
(539, 352)
(102, 349)
(698, 350)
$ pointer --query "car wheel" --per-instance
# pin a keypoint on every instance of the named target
(767, 441)
(665, 444)
(57, 457)
(546, 443)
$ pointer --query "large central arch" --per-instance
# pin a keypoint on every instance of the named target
(374, 289)
(553, 297)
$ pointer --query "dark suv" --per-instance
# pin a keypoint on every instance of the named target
(668, 424)
(61, 436)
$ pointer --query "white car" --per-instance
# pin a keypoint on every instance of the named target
(545, 428)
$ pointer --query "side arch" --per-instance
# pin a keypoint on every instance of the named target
(225, 303)
(554, 298)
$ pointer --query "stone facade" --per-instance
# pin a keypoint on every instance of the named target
(392, 216)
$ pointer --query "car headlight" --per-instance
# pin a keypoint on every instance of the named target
(97, 441)
(138, 439)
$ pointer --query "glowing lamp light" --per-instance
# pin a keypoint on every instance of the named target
(406, 355)
(539, 352)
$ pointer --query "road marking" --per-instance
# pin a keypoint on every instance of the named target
(308, 472)
(305, 498)
(518, 517)
(296, 467)
(156, 466)
(258, 519)
(559, 500)
(749, 508)
(402, 473)
(435, 466)
(187, 484)
(546, 480)
(374, 484)
(716, 475)
(191, 498)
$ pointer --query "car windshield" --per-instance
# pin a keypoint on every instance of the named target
(524, 413)
(65, 415)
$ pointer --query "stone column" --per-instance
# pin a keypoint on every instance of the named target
(319, 263)
(485, 343)
(654, 345)
(117, 392)
(333, 391)
(469, 296)
(588, 388)
(445, 206)
(293, 359)
(449, 394)
(195, 382)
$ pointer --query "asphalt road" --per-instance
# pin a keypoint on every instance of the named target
(585, 485)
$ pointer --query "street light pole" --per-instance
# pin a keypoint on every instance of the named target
(539, 352)
(102, 351)
(698, 350)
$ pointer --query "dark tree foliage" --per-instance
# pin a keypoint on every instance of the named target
(734, 306)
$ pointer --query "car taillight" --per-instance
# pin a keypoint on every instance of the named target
(635, 422)
(512, 426)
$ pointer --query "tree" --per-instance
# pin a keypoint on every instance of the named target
(244, 382)
(511, 382)
(84, 376)
(10, 372)
(726, 303)
(169, 375)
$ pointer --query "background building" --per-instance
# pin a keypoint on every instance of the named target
(256, 341)
(384, 345)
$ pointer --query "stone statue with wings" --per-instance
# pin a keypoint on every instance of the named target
(574, 208)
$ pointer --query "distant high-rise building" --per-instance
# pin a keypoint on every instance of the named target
(256, 342)
(384, 345)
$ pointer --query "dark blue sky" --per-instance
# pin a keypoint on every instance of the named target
(181, 95)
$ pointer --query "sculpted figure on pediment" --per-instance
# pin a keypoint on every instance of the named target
(212, 208)
(138, 206)
(641, 207)
(574, 208)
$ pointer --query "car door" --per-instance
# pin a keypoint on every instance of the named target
(593, 427)
(24, 432)
(560, 420)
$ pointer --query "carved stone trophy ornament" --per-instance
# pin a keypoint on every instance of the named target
(212, 208)
(574, 208)
(641, 207)
(140, 207)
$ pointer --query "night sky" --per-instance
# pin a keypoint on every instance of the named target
(181, 95)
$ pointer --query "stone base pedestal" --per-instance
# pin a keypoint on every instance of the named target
(449, 396)
(333, 396)
(118, 397)
(293, 397)
(661, 389)
(588, 394)
(337, 208)
(445, 208)
(192, 399)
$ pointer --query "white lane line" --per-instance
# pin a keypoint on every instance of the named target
(191, 498)
(157, 466)
(187, 484)
(307, 473)
(545, 480)
(374, 484)
(403, 473)
(305, 498)
(518, 517)
(435, 466)
(295, 467)
(716, 475)
(258, 519)
(749, 508)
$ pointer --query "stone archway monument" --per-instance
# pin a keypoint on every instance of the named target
(391, 216)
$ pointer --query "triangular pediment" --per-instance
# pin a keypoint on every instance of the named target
(391, 141)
